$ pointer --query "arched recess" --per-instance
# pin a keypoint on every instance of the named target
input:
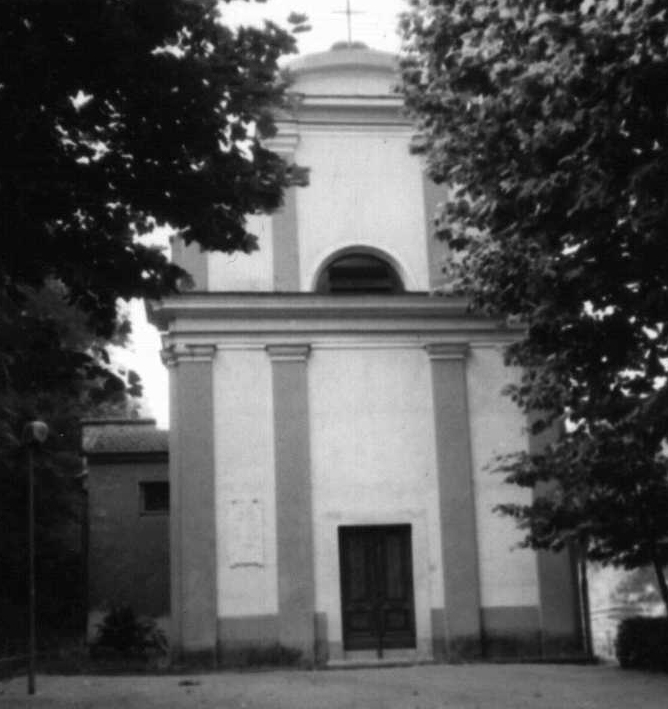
(359, 269)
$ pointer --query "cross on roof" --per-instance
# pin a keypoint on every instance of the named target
(349, 13)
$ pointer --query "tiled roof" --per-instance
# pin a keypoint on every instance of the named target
(122, 436)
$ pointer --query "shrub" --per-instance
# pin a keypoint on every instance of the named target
(642, 643)
(124, 634)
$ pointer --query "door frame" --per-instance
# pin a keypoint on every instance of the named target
(378, 528)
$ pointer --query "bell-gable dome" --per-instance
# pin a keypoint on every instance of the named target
(345, 70)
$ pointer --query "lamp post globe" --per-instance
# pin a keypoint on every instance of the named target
(35, 432)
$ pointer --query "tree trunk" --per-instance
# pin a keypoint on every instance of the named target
(661, 579)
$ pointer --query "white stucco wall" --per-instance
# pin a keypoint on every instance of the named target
(345, 71)
(245, 272)
(244, 451)
(508, 576)
(372, 451)
(365, 189)
(349, 81)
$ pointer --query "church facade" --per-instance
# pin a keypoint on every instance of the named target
(333, 422)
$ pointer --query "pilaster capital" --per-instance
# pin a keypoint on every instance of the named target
(177, 354)
(168, 357)
(289, 353)
(448, 351)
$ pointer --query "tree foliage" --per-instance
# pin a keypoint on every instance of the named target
(547, 122)
(120, 115)
(57, 369)
(117, 116)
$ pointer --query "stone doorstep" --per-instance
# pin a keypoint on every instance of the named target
(369, 659)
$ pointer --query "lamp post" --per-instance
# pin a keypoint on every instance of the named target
(34, 434)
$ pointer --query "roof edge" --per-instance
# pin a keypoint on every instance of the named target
(104, 457)
(341, 58)
(120, 421)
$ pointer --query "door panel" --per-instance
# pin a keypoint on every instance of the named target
(377, 587)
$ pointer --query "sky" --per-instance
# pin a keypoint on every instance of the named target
(373, 22)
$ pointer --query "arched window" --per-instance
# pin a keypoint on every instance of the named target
(359, 273)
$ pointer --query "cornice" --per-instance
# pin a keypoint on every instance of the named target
(298, 305)
(348, 112)
(342, 102)
(127, 457)
(208, 317)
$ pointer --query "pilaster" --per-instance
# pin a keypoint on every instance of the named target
(434, 195)
(194, 260)
(194, 593)
(294, 509)
(284, 224)
(457, 502)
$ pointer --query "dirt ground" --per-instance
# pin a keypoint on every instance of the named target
(426, 687)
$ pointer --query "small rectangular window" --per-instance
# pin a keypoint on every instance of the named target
(154, 498)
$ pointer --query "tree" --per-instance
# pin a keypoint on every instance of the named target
(638, 586)
(56, 368)
(120, 114)
(117, 116)
(547, 122)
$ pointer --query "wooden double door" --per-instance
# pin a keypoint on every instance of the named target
(377, 587)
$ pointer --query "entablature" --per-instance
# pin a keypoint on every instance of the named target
(417, 317)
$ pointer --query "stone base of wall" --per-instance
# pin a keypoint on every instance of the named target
(513, 633)
(509, 633)
(438, 641)
(252, 655)
(253, 641)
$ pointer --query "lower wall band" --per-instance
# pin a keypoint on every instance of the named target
(260, 629)
(507, 632)
(439, 645)
(248, 640)
(511, 632)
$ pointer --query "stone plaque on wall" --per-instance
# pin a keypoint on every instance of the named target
(244, 531)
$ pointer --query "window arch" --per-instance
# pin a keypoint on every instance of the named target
(358, 271)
